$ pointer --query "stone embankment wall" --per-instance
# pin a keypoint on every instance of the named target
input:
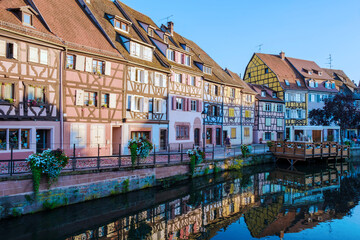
(17, 196)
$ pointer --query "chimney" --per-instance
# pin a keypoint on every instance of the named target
(282, 55)
(170, 27)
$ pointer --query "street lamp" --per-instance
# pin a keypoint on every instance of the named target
(203, 116)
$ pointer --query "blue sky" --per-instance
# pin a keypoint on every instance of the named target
(230, 30)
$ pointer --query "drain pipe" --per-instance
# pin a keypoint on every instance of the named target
(61, 99)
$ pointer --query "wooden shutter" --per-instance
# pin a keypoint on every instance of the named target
(81, 135)
(132, 48)
(132, 73)
(2, 48)
(88, 64)
(101, 135)
(132, 103)
(44, 56)
(112, 100)
(80, 63)
(33, 54)
(264, 107)
(199, 106)
(108, 68)
(263, 137)
(173, 103)
(146, 77)
(79, 97)
(272, 136)
(16, 54)
(93, 136)
(146, 105)
(164, 106)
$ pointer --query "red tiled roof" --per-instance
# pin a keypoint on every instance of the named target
(236, 77)
(269, 92)
(300, 65)
(340, 78)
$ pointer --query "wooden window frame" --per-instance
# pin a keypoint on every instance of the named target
(2, 92)
(30, 18)
(182, 132)
(87, 96)
(104, 103)
(96, 65)
(73, 59)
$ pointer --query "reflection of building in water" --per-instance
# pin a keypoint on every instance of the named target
(272, 203)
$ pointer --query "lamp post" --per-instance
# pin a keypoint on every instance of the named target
(203, 116)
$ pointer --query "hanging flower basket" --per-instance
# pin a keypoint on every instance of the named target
(196, 157)
(139, 149)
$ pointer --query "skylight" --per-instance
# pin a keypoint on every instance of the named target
(287, 82)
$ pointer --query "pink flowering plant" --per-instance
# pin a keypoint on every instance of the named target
(139, 148)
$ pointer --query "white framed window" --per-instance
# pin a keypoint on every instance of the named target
(7, 91)
(179, 103)
(279, 122)
(27, 19)
(263, 93)
(141, 51)
(178, 77)
(207, 70)
(97, 135)
(193, 105)
(267, 107)
(160, 80)
(187, 60)
(268, 122)
(298, 83)
(43, 56)
(193, 81)
(157, 105)
(287, 82)
(78, 135)
(279, 108)
(170, 55)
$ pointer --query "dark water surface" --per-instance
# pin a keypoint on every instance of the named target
(264, 202)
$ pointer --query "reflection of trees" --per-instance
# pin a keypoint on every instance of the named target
(245, 181)
(143, 231)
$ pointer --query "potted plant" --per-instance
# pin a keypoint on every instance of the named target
(10, 100)
(139, 149)
(90, 103)
(196, 157)
(245, 150)
(260, 140)
(104, 105)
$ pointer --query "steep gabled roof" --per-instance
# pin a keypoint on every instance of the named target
(303, 66)
(269, 93)
(243, 84)
(340, 78)
(283, 70)
(11, 20)
(68, 20)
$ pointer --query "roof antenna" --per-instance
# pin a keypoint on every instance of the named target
(167, 18)
(330, 61)
(259, 46)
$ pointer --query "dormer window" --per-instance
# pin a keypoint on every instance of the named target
(333, 85)
(310, 72)
(274, 95)
(287, 82)
(327, 85)
(207, 70)
(298, 83)
(150, 32)
(27, 19)
(320, 73)
(121, 25)
(263, 93)
(312, 84)
(166, 39)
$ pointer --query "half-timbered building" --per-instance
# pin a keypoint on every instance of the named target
(320, 86)
(269, 115)
(275, 72)
(247, 109)
(93, 72)
(146, 78)
(29, 81)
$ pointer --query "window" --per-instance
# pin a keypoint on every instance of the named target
(297, 97)
(233, 133)
(178, 78)
(310, 72)
(120, 25)
(128, 107)
(27, 19)
(166, 39)
(141, 51)
(160, 80)
(207, 70)
(35, 93)
(287, 114)
(192, 81)
(193, 105)
(207, 88)
(316, 84)
(279, 108)
(298, 83)
(299, 114)
(14, 138)
(268, 122)
(105, 100)
(286, 97)
(320, 73)
(7, 92)
(43, 56)
(3, 139)
(150, 32)
(182, 132)
(249, 75)
(179, 103)
(287, 82)
(247, 114)
(267, 136)
(157, 106)
(311, 84)
(25, 139)
(333, 85)
(187, 60)
(98, 67)
(246, 132)
(216, 90)
(140, 134)
(10, 50)
(231, 112)
(78, 135)
(97, 135)
(266, 70)
(279, 122)
(248, 98)
(233, 93)
(70, 62)
(138, 104)
(215, 110)
(263, 93)
(170, 55)
(268, 107)
(90, 99)
(274, 95)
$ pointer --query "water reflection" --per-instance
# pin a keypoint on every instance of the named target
(271, 202)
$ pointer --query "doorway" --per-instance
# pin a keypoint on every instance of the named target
(218, 136)
(116, 140)
(225, 134)
(197, 137)
(316, 135)
(208, 135)
(42, 139)
(163, 139)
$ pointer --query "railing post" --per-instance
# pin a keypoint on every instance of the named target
(119, 160)
(168, 154)
(11, 168)
(234, 151)
(74, 159)
(154, 154)
(98, 157)
(213, 153)
(181, 152)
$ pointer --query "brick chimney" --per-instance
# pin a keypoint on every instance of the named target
(282, 55)
(170, 27)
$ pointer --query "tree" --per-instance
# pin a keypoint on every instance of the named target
(340, 110)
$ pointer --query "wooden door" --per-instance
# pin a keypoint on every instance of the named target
(197, 137)
(316, 135)
(209, 136)
(116, 140)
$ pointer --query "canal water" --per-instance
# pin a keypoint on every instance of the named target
(263, 202)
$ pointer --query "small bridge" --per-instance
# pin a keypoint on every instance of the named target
(298, 151)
